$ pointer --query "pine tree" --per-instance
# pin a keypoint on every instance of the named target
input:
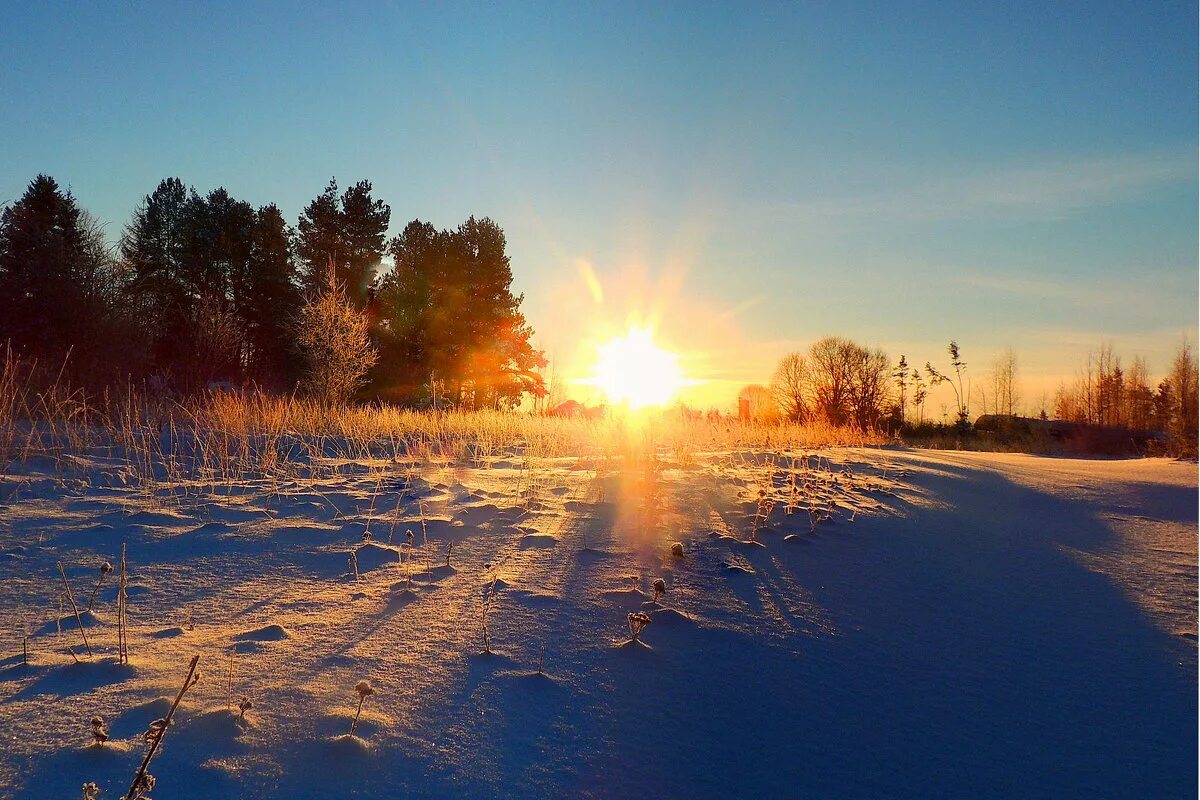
(448, 317)
(351, 231)
(269, 299)
(56, 277)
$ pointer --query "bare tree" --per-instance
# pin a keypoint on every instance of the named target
(831, 365)
(1005, 396)
(920, 394)
(757, 404)
(1183, 382)
(789, 387)
(869, 389)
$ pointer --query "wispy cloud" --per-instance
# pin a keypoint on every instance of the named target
(1037, 189)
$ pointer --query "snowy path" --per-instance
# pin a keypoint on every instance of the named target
(987, 626)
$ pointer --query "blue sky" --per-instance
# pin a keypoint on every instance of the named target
(754, 175)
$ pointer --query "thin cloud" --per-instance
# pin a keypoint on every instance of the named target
(1020, 191)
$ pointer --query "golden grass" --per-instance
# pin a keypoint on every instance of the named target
(223, 437)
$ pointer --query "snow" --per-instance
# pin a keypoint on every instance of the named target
(877, 623)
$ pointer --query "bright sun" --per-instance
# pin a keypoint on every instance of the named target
(633, 371)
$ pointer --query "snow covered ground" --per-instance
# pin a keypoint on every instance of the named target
(874, 623)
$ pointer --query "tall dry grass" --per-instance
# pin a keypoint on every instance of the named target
(226, 437)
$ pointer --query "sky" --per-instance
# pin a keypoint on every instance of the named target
(745, 177)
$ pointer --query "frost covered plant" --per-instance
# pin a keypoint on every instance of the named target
(364, 690)
(243, 706)
(638, 620)
(143, 784)
(105, 568)
(660, 588)
(487, 607)
(99, 731)
(155, 731)
(143, 781)
(91, 791)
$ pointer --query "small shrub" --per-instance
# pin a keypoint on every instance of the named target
(334, 339)
(660, 588)
(99, 731)
(638, 621)
(677, 549)
(243, 706)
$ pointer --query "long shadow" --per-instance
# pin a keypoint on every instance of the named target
(973, 658)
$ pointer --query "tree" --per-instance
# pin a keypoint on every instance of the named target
(334, 341)
(448, 317)
(900, 376)
(1139, 398)
(153, 246)
(58, 281)
(920, 393)
(267, 298)
(831, 363)
(1005, 395)
(350, 230)
(154, 249)
(869, 393)
(1183, 406)
(42, 247)
(757, 403)
(960, 396)
(211, 272)
(789, 387)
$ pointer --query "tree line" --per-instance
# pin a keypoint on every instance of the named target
(205, 288)
(841, 382)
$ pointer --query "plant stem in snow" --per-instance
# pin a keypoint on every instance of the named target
(75, 608)
(122, 603)
(188, 682)
(105, 568)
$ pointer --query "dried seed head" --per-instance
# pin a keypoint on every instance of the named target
(364, 689)
(106, 568)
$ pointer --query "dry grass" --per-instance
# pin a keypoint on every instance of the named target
(223, 437)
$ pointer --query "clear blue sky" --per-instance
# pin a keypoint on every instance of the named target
(1005, 173)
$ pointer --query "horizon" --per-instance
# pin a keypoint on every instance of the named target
(747, 181)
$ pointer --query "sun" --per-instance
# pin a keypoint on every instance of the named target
(635, 372)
